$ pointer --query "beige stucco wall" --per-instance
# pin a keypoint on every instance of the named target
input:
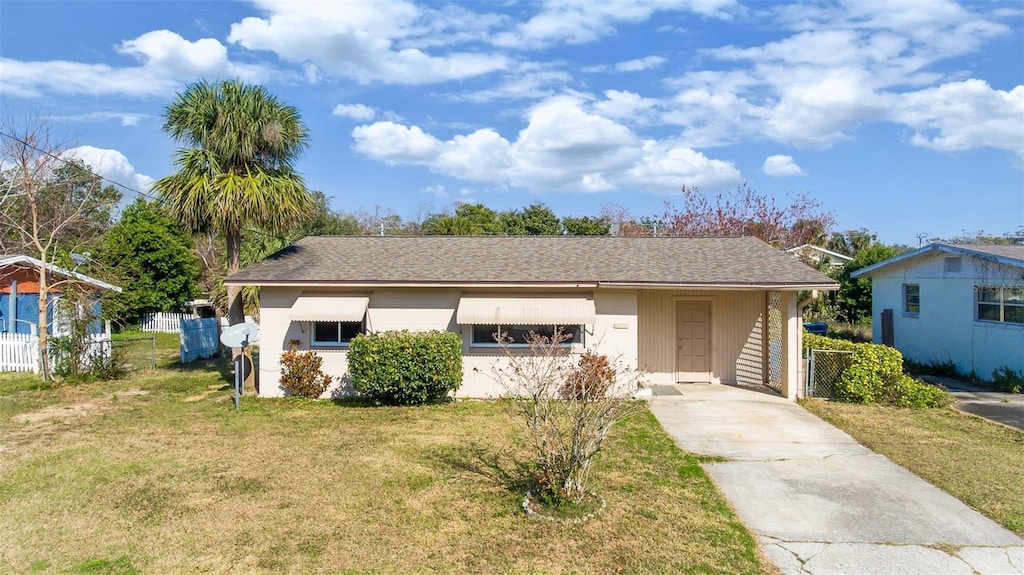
(737, 327)
(614, 331)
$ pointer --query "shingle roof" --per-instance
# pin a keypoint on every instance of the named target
(1010, 252)
(340, 260)
(1008, 255)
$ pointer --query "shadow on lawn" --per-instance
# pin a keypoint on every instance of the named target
(496, 466)
(221, 365)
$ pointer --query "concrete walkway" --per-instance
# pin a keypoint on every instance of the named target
(822, 504)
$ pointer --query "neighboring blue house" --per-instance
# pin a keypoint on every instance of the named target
(959, 303)
(19, 294)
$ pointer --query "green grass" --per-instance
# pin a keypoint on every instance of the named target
(100, 479)
(973, 459)
(15, 382)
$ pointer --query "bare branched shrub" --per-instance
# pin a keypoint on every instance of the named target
(567, 405)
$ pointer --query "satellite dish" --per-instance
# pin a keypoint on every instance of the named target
(240, 335)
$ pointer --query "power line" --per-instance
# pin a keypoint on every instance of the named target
(66, 161)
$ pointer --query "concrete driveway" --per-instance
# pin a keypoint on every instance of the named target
(819, 502)
(1005, 408)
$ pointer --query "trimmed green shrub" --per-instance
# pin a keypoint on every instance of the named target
(1008, 379)
(301, 374)
(876, 375)
(905, 391)
(404, 368)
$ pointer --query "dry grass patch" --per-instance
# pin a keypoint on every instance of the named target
(165, 485)
(975, 460)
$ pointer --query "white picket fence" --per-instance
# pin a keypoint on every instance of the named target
(19, 352)
(165, 322)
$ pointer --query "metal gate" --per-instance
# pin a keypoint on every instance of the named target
(825, 369)
(775, 340)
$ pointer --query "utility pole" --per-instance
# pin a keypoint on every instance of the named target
(921, 237)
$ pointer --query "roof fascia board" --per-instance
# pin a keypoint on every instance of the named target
(564, 285)
(722, 287)
(328, 284)
(822, 250)
(59, 270)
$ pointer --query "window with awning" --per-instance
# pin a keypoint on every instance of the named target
(334, 319)
(513, 319)
(347, 308)
(490, 310)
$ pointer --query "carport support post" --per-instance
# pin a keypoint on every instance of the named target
(791, 326)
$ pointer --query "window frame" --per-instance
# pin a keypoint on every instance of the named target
(579, 329)
(335, 344)
(906, 300)
(999, 303)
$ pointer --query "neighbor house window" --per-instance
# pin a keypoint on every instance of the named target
(912, 298)
(1001, 304)
(335, 333)
(519, 335)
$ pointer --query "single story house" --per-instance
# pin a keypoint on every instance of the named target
(716, 310)
(959, 303)
(817, 254)
(19, 294)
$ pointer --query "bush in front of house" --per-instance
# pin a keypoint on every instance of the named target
(301, 374)
(592, 377)
(406, 368)
(875, 375)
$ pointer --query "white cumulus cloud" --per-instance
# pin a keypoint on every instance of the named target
(781, 165)
(640, 64)
(358, 112)
(965, 115)
(845, 65)
(390, 41)
(166, 62)
(126, 119)
(114, 166)
(565, 145)
(578, 22)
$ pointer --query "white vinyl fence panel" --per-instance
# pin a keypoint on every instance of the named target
(165, 322)
(19, 352)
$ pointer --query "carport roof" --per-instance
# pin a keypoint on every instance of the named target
(719, 262)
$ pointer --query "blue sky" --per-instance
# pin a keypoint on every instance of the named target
(901, 117)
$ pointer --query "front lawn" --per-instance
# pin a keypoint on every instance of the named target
(975, 460)
(157, 474)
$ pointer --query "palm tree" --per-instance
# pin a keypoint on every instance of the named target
(235, 171)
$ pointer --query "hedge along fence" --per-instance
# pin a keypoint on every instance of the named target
(404, 368)
(876, 375)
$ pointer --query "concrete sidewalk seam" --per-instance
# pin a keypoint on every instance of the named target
(775, 459)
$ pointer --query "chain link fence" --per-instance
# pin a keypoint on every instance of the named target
(825, 368)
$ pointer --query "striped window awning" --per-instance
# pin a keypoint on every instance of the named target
(488, 310)
(333, 307)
